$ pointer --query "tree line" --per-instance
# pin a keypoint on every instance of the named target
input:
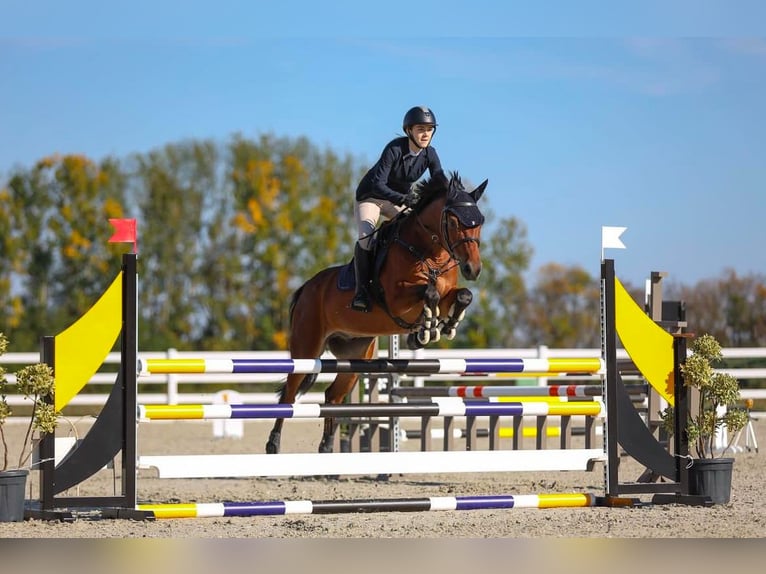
(228, 230)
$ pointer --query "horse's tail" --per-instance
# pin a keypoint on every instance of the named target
(293, 301)
(309, 380)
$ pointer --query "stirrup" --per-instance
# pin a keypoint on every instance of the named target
(361, 302)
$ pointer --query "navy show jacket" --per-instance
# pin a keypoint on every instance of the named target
(397, 169)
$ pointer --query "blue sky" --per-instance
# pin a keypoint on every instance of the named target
(652, 119)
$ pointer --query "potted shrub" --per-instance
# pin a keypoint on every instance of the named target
(709, 474)
(35, 382)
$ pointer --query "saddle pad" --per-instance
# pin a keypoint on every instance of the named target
(346, 277)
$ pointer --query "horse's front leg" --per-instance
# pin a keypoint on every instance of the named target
(428, 332)
(463, 299)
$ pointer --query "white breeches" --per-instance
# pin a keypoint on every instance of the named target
(367, 214)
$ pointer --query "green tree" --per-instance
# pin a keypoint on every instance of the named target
(495, 316)
(10, 264)
(174, 187)
(228, 231)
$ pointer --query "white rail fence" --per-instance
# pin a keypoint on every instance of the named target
(165, 389)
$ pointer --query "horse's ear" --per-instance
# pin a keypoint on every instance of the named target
(479, 191)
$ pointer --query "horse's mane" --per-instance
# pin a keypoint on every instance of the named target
(431, 188)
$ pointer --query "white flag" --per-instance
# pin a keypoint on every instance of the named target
(610, 237)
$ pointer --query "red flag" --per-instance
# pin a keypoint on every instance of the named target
(124, 232)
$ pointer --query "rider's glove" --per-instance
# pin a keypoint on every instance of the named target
(411, 199)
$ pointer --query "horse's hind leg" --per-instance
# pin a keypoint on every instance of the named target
(363, 348)
(287, 396)
(307, 338)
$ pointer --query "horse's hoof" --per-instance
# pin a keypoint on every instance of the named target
(272, 447)
(424, 337)
(451, 334)
(435, 335)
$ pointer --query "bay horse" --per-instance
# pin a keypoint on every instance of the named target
(417, 258)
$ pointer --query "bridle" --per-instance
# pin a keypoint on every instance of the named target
(449, 208)
(443, 240)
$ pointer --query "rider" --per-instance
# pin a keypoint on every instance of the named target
(386, 189)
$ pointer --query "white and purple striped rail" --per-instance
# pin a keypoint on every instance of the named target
(431, 503)
(449, 407)
(486, 391)
(402, 366)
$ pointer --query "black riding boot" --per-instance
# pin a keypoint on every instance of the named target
(362, 264)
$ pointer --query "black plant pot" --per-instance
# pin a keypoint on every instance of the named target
(12, 486)
(711, 477)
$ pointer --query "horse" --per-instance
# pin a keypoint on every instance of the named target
(417, 257)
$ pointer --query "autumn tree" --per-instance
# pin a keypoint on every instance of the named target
(293, 210)
(564, 308)
(732, 308)
(54, 245)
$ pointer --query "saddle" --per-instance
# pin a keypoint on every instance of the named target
(384, 237)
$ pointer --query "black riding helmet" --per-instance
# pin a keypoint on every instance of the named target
(418, 115)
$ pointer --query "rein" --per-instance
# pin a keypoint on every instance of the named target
(433, 272)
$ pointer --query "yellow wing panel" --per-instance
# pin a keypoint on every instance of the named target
(649, 345)
(82, 347)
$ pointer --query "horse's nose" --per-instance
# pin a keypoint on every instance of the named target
(470, 271)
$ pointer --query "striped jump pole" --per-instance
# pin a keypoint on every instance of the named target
(485, 391)
(432, 503)
(503, 432)
(401, 366)
(448, 408)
